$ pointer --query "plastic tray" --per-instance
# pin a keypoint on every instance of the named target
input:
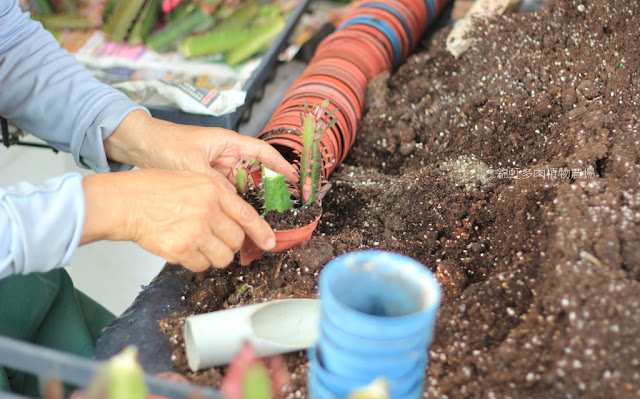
(251, 87)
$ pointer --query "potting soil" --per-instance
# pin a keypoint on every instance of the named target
(513, 173)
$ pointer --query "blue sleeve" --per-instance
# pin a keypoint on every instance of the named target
(40, 226)
(44, 90)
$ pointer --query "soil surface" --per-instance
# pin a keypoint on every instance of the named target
(513, 173)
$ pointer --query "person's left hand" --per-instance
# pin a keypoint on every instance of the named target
(149, 142)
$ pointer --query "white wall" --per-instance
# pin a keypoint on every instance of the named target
(109, 272)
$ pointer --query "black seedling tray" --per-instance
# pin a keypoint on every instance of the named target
(251, 87)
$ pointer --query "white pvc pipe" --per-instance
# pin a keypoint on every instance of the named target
(275, 327)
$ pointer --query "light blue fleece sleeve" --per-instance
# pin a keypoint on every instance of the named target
(44, 90)
(40, 225)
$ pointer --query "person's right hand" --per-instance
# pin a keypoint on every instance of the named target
(193, 219)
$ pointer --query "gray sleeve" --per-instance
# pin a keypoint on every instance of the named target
(40, 225)
(44, 90)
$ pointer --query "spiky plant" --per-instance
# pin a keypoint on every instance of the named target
(243, 171)
(276, 192)
(312, 187)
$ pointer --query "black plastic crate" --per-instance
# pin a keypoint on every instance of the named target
(251, 87)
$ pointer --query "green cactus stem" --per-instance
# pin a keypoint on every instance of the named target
(257, 382)
(122, 18)
(313, 126)
(41, 7)
(241, 181)
(64, 21)
(225, 36)
(145, 22)
(175, 31)
(120, 377)
(276, 194)
(259, 39)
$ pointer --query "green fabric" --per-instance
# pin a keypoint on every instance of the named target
(46, 309)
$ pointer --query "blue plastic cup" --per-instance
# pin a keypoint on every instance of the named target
(379, 295)
(341, 386)
(365, 345)
(378, 313)
(347, 363)
(318, 390)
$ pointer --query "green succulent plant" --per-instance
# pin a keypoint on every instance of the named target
(277, 193)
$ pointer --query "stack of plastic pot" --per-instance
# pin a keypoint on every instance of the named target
(377, 315)
(376, 36)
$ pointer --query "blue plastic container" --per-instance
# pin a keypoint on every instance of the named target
(364, 345)
(378, 313)
(379, 294)
(317, 390)
(341, 386)
(344, 362)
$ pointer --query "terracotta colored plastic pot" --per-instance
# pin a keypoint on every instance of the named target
(350, 116)
(356, 98)
(397, 8)
(372, 50)
(285, 239)
(421, 12)
(333, 94)
(329, 143)
(415, 14)
(375, 42)
(290, 145)
(279, 136)
(382, 29)
(346, 67)
(389, 24)
(345, 114)
(366, 54)
(352, 77)
(397, 20)
(336, 132)
(287, 118)
(358, 54)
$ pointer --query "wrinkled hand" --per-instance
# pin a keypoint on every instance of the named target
(193, 219)
(148, 142)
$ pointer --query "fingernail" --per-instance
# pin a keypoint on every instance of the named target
(270, 243)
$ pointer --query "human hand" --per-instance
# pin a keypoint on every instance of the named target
(149, 142)
(193, 219)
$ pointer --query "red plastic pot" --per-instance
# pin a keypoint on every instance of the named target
(352, 81)
(290, 145)
(285, 239)
(378, 14)
(354, 97)
(408, 17)
(378, 48)
(380, 37)
(334, 133)
(352, 77)
(358, 53)
(366, 52)
(349, 117)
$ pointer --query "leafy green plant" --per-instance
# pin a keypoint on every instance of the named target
(277, 193)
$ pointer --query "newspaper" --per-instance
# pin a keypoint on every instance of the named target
(205, 86)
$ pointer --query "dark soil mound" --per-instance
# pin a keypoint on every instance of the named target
(514, 174)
